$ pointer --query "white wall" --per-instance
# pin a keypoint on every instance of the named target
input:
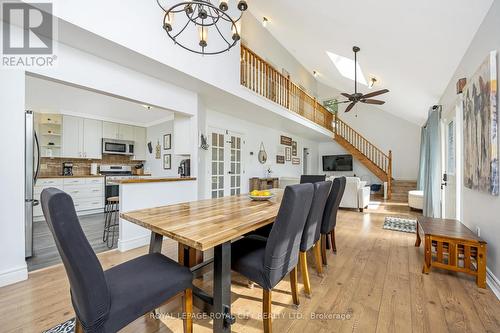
(12, 264)
(260, 41)
(154, 135)
(387, 132)
(359, 170)
(253, 135)
(480, 209)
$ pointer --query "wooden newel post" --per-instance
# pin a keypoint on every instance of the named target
(389, 176)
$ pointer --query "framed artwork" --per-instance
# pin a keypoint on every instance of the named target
(288, 153)
(296, 160)
(294, 148)
(167, 161)
(280, 159)
(285, 140)
(158, 150)
(167, 141)
(480, 119)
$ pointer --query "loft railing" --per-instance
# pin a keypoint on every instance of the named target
(262, 78)
(365, 147)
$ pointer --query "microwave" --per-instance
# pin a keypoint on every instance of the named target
(117, 147)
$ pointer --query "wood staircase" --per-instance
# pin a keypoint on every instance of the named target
(262, 78)
(374, 159)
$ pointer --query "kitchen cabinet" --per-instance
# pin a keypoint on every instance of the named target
(92, 138)
(87, 193)
(81, 137)
(117, 131)
(139, 143)
(110, 130)
(72, 137)
(126, 132)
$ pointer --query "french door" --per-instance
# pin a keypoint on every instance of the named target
(226, 166)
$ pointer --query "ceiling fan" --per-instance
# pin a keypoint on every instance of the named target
(359, 97)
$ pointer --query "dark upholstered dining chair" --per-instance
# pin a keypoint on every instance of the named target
(267, 261)
(330, 215)
(311, 235)
(106, 301)
(312, 178)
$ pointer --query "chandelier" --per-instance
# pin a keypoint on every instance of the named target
(189, 24)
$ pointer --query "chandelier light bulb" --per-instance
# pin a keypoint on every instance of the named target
(189, 9)
(203, 31)
(168, 21)
(242, 5)
(223, 5)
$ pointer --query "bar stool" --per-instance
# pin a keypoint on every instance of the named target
(111, 221)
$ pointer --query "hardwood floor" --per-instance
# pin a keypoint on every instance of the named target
(373, 284)
(44, 247)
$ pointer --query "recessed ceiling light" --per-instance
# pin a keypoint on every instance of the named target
(315, 74)
(264, 22)
(147, 107)
(346, 67)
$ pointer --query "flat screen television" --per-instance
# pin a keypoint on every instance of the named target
(337, 163)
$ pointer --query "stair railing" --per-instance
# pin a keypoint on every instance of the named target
(259, 76)
(365, 147)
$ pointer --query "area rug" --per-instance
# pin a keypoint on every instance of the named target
(66, 327)
(400, 224)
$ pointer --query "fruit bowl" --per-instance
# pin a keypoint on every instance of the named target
(260, 197)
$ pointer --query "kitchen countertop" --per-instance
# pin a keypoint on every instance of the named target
(86, 176)
(151, 180)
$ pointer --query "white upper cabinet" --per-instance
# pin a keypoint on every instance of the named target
(139, 143)
(110, 130)
(72, 137)
(117, 131)
(81, 138)
(126, 132)
(92, 138)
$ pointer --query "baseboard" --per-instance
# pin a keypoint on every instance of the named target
(14, 275)
(493, 282)
(133, 243)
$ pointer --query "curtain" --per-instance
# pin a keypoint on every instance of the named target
(421, 167)
(429, 177)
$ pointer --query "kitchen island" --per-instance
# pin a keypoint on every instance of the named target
(149, 192)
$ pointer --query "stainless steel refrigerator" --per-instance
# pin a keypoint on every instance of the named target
(32, 167)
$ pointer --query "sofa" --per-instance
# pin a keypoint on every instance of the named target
(356, 194)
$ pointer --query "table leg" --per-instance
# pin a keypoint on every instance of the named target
(155, 243)
(427, 255)
(418, 241)
(222, 288)
(481, 266)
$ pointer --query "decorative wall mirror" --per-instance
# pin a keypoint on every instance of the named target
(262, 154)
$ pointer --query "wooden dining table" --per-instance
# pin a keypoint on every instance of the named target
(209, 224)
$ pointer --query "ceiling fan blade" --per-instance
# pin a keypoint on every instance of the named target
(372, 101)
(350, 106)
(342, 102)
(375, 93)
(346, 95)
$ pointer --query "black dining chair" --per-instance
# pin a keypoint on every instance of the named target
(330, 216)
(267, 261)
(311, 235)
(312, 178)
(106, 301)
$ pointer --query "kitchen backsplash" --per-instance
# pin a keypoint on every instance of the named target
(53, 166)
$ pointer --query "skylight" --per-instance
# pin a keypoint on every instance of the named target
(346, 67)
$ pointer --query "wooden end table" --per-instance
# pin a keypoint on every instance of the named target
(451, 245)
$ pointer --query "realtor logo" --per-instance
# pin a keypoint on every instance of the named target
(27, 34)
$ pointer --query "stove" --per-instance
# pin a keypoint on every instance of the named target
(112, 173)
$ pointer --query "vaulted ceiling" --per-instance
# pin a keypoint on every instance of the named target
(411, 47)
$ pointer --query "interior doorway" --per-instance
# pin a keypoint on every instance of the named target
(306, 164)
(226, 167)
